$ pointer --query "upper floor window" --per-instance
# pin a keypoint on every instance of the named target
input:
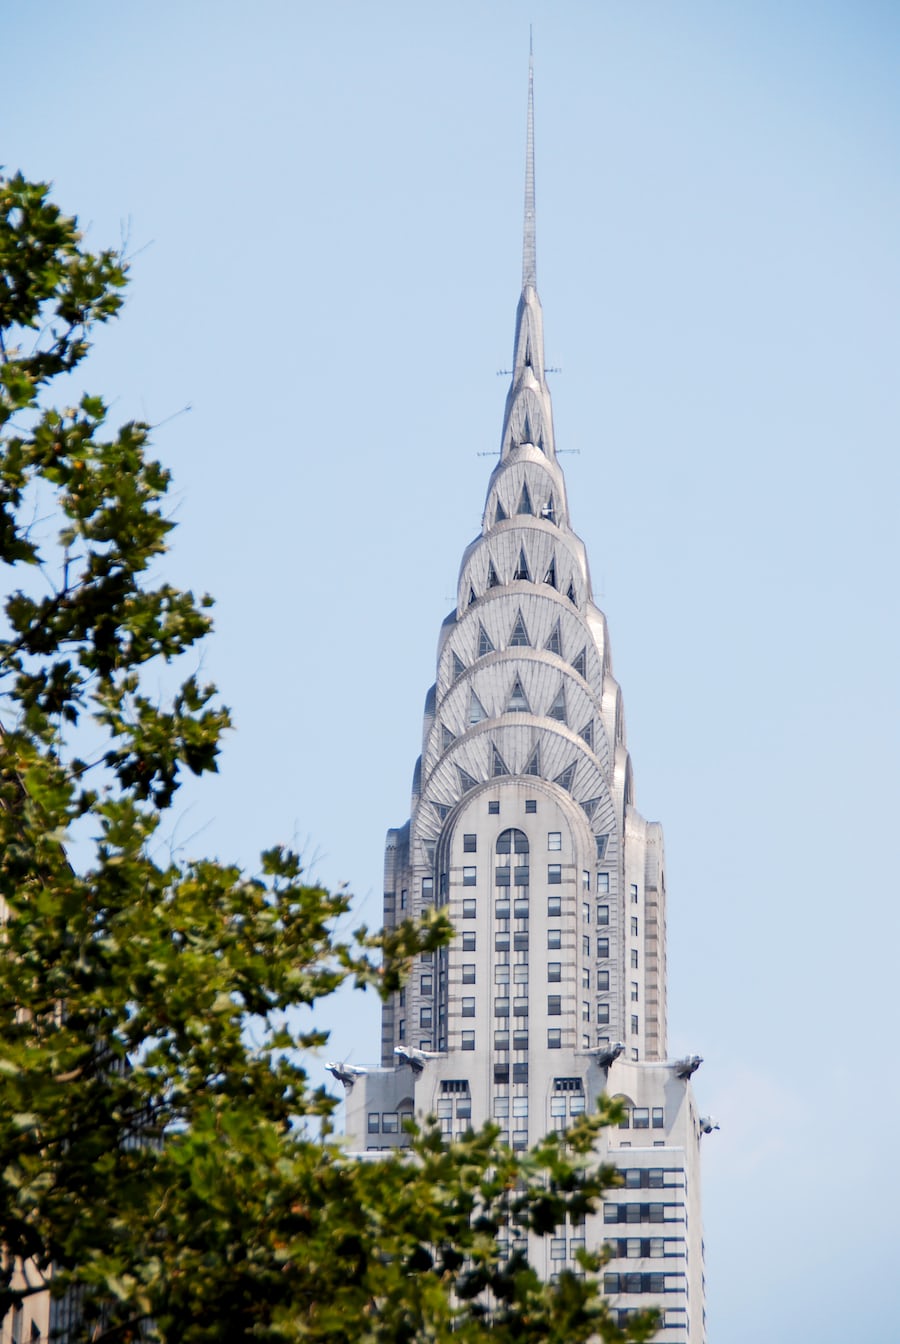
(470, 844)
(554, 840)
(469, 877)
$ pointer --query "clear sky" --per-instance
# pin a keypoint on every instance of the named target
(324, 203)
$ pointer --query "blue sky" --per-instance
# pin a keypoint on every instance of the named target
(324, 206)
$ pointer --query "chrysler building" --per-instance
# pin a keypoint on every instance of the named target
(524, 829)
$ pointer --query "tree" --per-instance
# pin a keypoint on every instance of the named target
(160, 1163)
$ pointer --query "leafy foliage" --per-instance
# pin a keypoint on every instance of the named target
(154, 1108)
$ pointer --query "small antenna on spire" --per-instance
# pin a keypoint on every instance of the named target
(529, 252)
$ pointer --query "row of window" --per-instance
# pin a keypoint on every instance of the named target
(518, 1040)
(387, 1122)
(519, 637)
(521, 878)
(645, 1248)
(643, 1283)
(555, 941)
(522, 573)
(643, 1117)
(643, 1213)
(651, 1178)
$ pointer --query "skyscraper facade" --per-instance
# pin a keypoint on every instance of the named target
(524, 829)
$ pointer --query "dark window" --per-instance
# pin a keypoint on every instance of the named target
(468, 942)
(530, 804)
(554, 938)
(554, 1005)
(554, 1038)
(468, 1007)
(554, 873)
(520, 1008)
(602, 1013)
(468, 909)
(603, 981)
(554, 971)
(520, 1040)
(658, 1119)
(501, 1008)
(390, 1122)
(602, 914)
(468, 1040)
(470, 844)
(602, 947)
(501, 942)
(468, 973)
(425, 1016)
(469, 877)
(520, 942)
(493, 808)
(501, 1073)
(640, 1117)
(374, 1122)
(554, 905)
(520, 1075)
(501, 1040)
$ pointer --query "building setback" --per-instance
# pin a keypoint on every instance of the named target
(524, 829)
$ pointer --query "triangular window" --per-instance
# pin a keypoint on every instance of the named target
(571, 594)
(590, 807)
(587, 733)
(565, 778)
(518, 701)
(528, 360)
(441, 809)
(493, 581)
(522, 571)
(447, 738)
(526, 438)
(484, 642)
(477, 711)
(519, 638)
(458, 666)
(550, 576)
(471, 596)
(580, 662)
(466, 781)
(558, 709)
(499, 513)
(534, 765)
(525, 500)
(548, 510)
(540, 443)
(554, 643)
(497, 764)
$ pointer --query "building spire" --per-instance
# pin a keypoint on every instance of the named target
(529, 256)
